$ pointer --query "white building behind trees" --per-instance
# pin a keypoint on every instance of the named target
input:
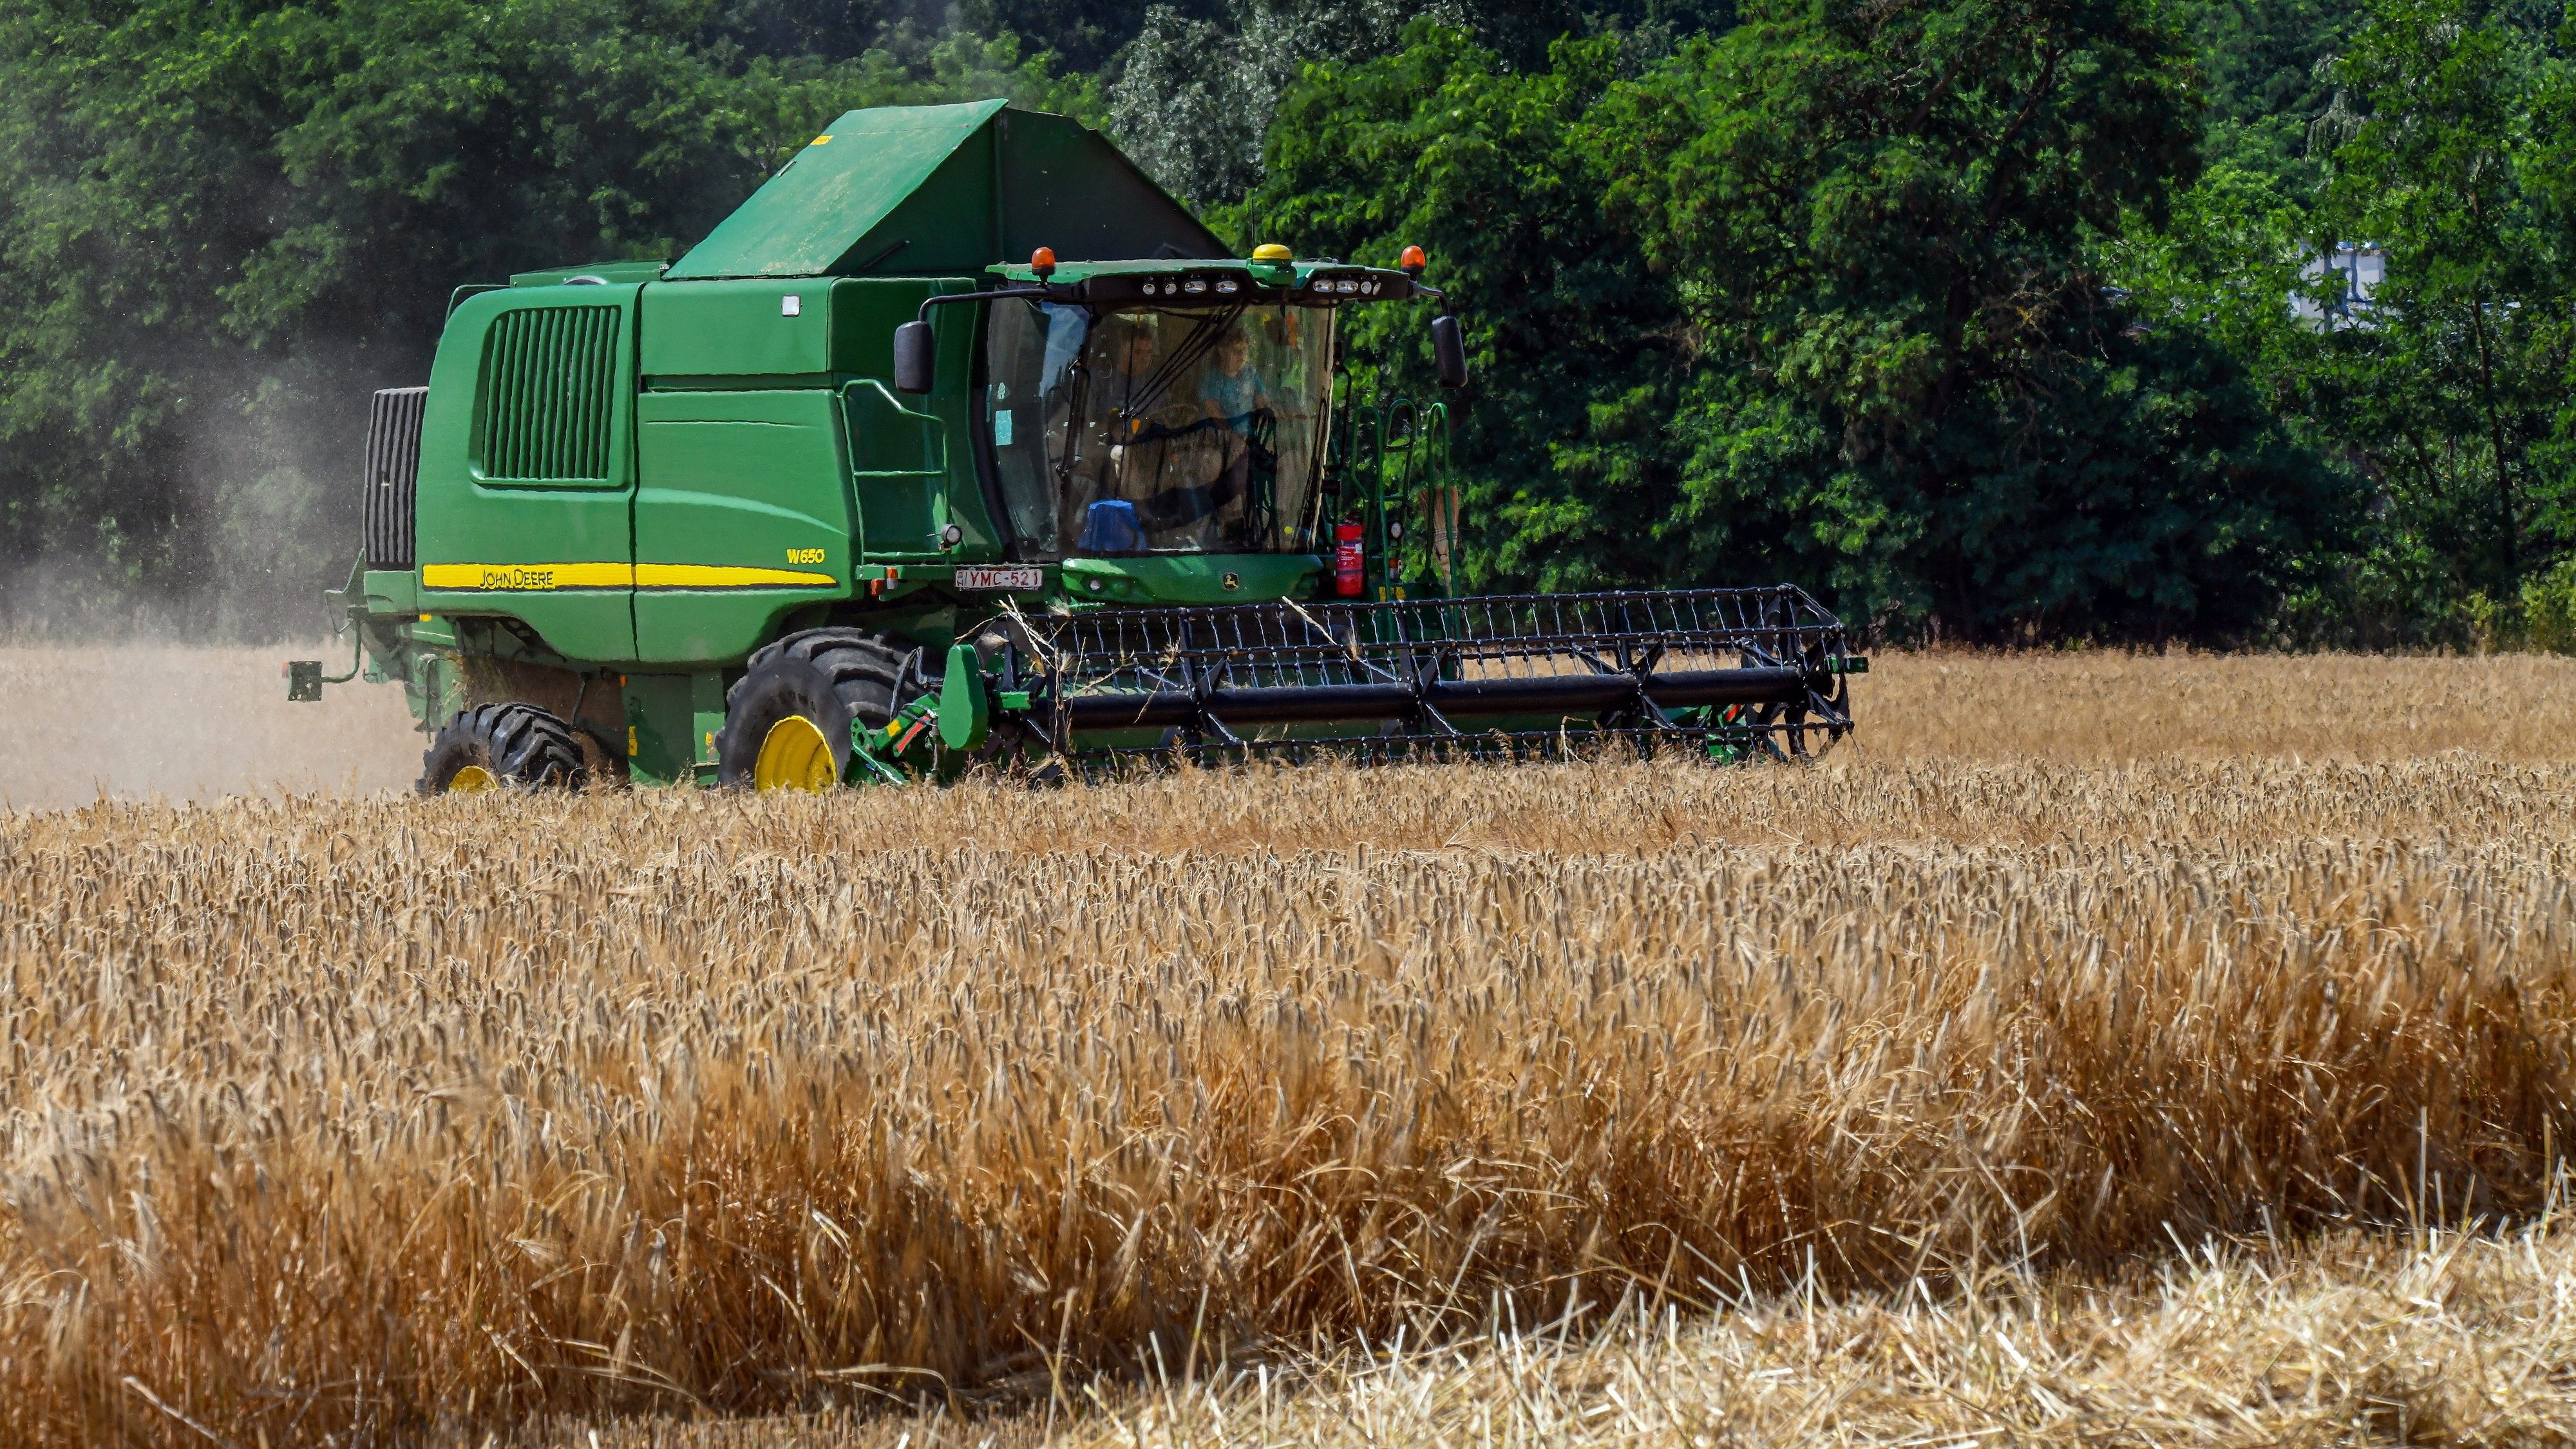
(2359, 266)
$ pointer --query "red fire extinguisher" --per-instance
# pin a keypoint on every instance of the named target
(1348, 561)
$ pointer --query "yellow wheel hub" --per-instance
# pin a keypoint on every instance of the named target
(472, 780)
(795, 756)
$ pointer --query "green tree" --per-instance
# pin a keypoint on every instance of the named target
(2451, 380)
(1579, 346)
(1817, 300)
(2267, 70)
(228, 220)
(1198, 85)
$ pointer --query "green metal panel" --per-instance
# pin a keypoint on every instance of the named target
(390, 591)
(899, 460)
(915, 468)
(1064, 187)
(931, 189)
(865, 312)
(553, 551)
(809, 216)
(1191, 578)
(671, 722)
(738, 329)
(733, 334)
(946, 224)
(604, 271)
(960, 330)
(743, 514)
(965, 712)
(706, 717)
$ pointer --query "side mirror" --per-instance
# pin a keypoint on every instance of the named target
(1448, 352)
(916, 357)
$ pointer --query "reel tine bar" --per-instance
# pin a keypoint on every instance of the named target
(1733, 670)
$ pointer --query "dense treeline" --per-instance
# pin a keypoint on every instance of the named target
(1975, 315)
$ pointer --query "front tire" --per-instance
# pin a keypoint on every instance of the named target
(492, 745)
(787, 720)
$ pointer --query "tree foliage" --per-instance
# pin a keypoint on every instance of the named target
(1974, 315)
(228, 220)
(2455, 379)
(1814, 300)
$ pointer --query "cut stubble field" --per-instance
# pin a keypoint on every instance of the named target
(2107, 1048)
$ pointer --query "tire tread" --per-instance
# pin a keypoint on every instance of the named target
(862, 668)
(524, 745)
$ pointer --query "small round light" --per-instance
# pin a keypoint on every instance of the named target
(1193, 286)
(1225, 289)
(1413, 261)
(1042, 262)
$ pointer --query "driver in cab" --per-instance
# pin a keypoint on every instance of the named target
(1175, 452)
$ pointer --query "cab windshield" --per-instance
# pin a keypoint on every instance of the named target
(1156, 430)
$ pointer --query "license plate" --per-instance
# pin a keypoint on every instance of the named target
(988, 578)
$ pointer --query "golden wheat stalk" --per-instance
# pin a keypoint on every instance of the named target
(389, 1119)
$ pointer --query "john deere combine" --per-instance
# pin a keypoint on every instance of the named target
(846, 494)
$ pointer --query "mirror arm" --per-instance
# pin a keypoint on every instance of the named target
(1034, 293)
(915, 346)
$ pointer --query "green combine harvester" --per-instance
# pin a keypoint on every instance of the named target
(848, 494)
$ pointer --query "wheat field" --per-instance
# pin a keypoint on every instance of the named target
(2152, 1049)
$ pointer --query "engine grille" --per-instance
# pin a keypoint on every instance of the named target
(550, 385)
(393, 475)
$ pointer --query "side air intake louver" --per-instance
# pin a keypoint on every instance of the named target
(550, 380)
(393, 474)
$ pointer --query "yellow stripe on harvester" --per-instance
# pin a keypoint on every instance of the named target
(540, 577)
(724, 576)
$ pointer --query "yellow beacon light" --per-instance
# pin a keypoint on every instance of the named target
(1274, 264)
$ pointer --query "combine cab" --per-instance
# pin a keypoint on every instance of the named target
(845, 495)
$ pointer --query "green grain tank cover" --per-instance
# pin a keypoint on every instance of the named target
(943, 190)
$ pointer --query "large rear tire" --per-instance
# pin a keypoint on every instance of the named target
(492, 745)
(787, 720)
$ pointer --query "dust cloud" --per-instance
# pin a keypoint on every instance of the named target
(79, 723)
